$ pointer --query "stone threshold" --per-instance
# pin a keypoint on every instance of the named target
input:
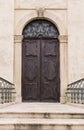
(41, 108)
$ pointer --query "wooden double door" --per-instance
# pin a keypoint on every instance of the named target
(40, 70)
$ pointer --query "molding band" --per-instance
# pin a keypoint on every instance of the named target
(40, 7)
(18, 38)
(63, 38)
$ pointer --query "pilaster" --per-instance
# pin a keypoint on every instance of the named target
(63, 39)
(18, 65)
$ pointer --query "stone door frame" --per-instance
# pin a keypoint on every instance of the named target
(63, 40)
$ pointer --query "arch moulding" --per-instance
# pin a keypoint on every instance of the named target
(48, 16)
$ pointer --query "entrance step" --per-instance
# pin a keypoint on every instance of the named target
(42, 111)
(41, 116)
(41, 124)
(38, 115)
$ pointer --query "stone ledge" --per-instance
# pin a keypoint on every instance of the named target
(42, 121)
(76, 105)
(4, 105)
(42, 108)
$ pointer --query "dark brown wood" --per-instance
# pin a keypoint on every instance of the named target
(50, 88)
(30, 73)
(40, 70)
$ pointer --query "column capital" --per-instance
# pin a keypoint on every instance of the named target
(18, 38)
(63, 38)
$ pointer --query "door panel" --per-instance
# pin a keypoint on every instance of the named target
(49, 70)
(40, 75)
(50, 90)
(30, 76)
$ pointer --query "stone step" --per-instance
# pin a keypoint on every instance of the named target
(42, 111)
(41, 124)
(38, 115)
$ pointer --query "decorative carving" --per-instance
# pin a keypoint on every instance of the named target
(50, 70)
(40, 12)
(40, 28)
(31, 48)
(30, 70)
(50, 49)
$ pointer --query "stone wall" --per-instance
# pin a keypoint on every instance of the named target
(40, 3)
(6, 39)
(75, 39)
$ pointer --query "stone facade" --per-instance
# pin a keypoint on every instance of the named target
(64, 14)
(7, 39)
(75, 40)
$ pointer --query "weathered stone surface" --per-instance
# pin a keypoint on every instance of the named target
(75, 39)
(6, 39)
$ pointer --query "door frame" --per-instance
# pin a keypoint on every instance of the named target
(63, 40)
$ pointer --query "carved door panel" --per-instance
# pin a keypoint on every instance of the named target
(40, 70)
(50, 81)
(30, 73)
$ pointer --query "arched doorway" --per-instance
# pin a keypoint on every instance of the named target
(40, 62)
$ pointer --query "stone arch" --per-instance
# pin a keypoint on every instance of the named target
(48, 16)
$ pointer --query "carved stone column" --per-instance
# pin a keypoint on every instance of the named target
(63, 66)
(18, 65)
